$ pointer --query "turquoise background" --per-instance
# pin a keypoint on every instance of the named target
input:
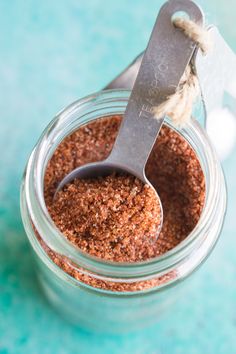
(51, 53)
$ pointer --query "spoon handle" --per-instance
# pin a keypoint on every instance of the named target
(168, 53)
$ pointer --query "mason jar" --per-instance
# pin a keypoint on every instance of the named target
(153, 284)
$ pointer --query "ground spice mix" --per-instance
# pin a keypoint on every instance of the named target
(172, 168)
(116, 218)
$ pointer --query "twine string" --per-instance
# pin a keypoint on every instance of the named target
(179, 106)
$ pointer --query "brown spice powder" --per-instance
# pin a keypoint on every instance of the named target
(172, 168)
(116, 218)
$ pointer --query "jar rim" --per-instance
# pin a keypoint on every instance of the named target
(55, 240)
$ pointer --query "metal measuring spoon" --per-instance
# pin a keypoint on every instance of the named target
(164, 62)
(126, 79)
(216, 74)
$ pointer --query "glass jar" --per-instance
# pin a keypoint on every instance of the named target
(101, 308)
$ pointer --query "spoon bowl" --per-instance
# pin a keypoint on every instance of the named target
(104, 169)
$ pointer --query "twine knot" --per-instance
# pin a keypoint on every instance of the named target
(179, 106)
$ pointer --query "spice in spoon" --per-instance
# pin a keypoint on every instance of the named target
(110, 217)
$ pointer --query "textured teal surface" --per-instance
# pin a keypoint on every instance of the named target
(51, 53)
